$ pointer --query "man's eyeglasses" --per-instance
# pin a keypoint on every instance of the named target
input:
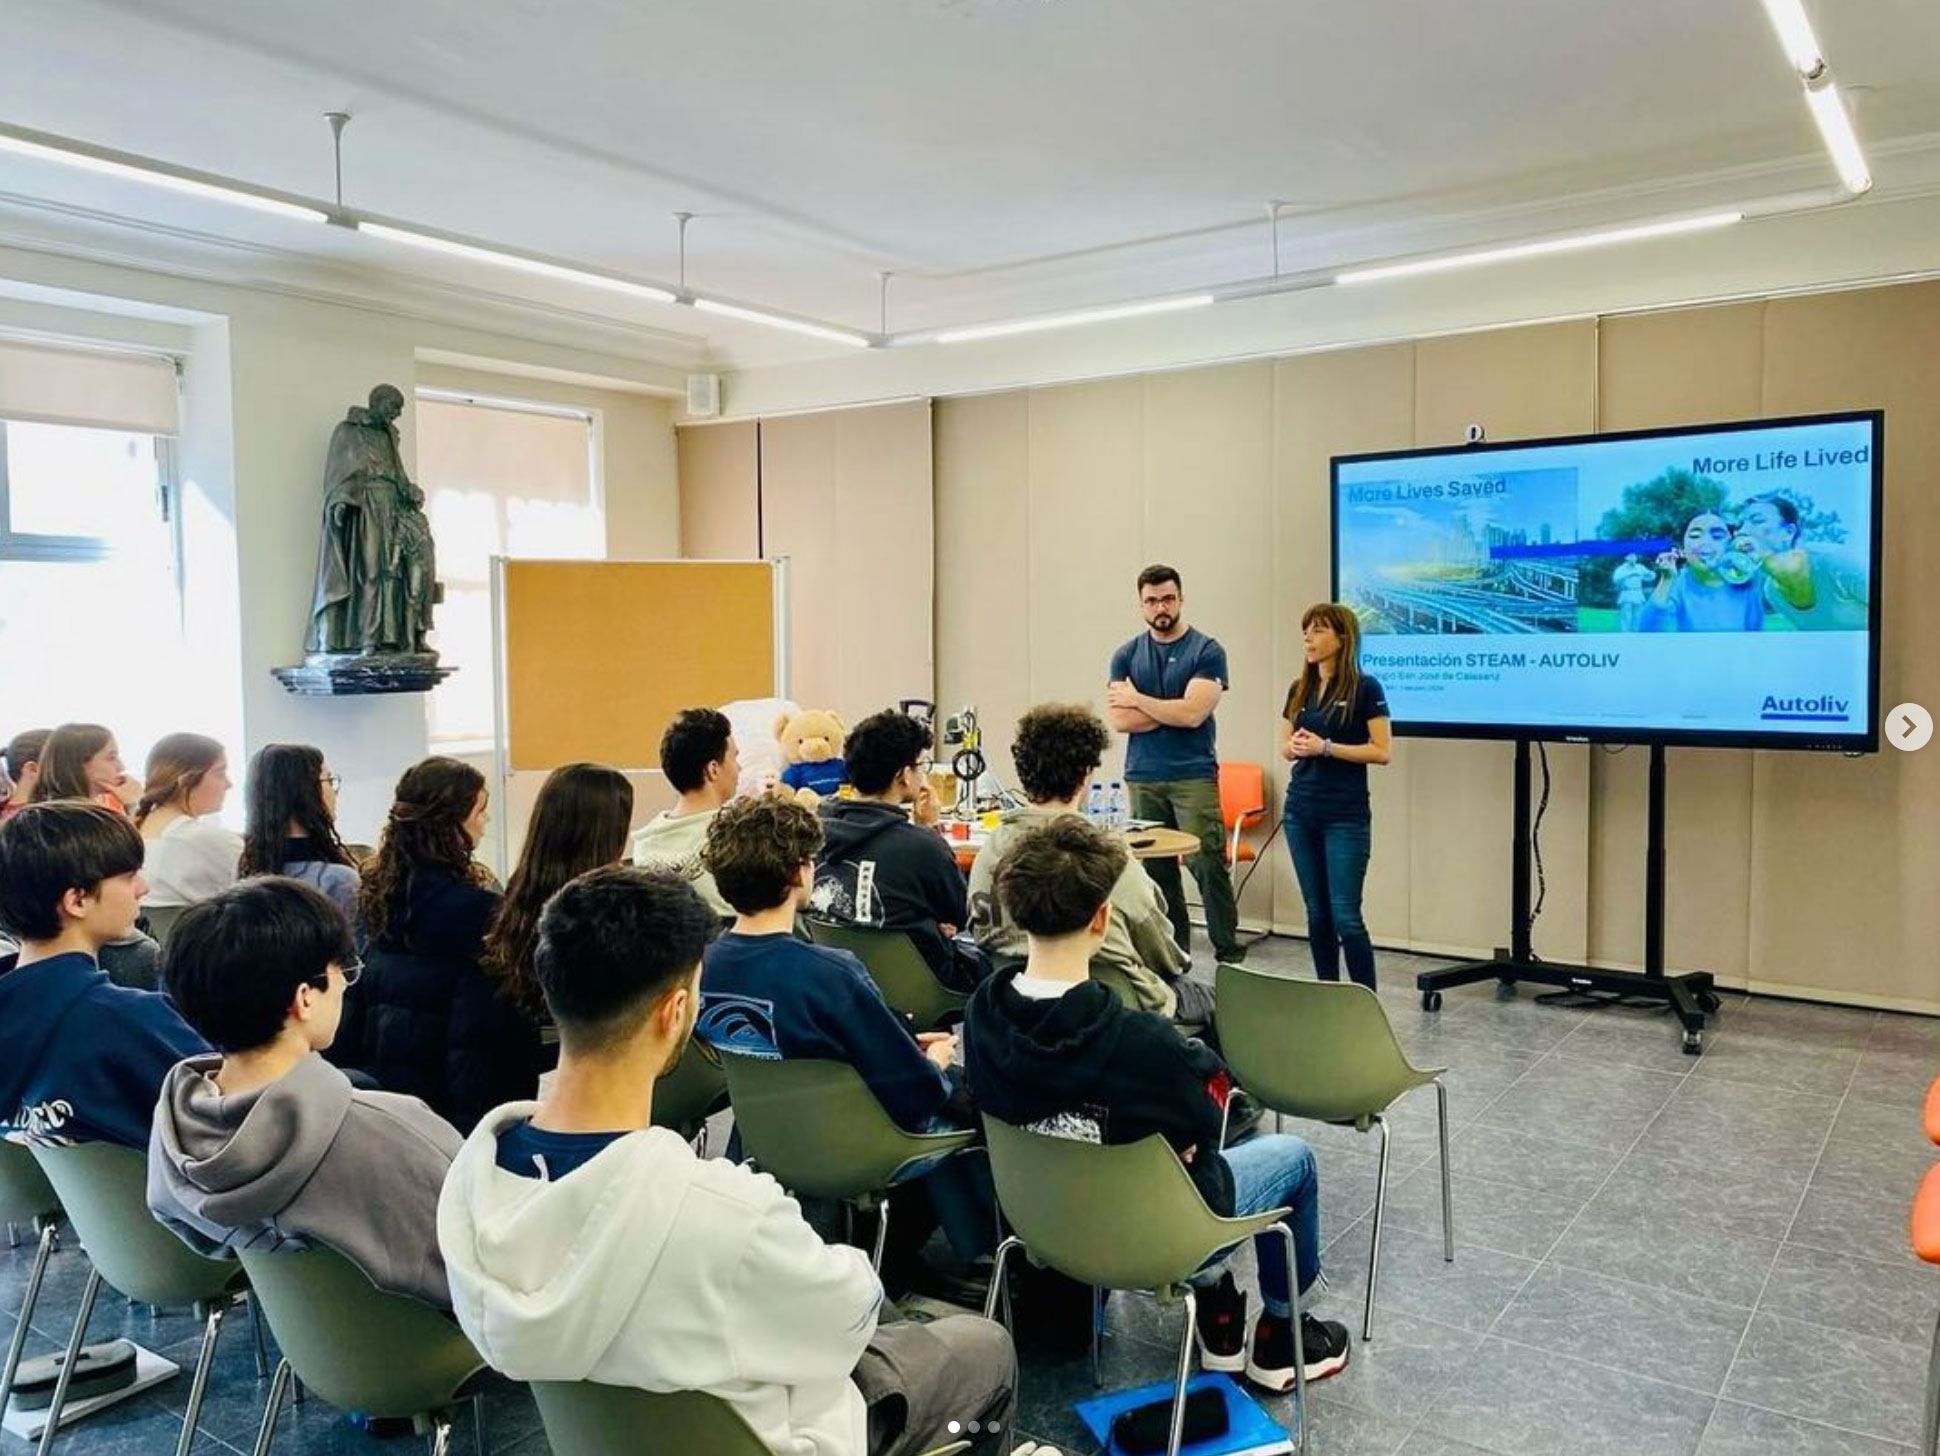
(335, 781)
(352, 971)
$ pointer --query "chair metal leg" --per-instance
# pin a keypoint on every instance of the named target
(478, 1424)
(882, 1230)
(1930, 1433)
(997, 1288)
(1374, 1242)
(256, 1329)
(74, 1342)
(1185, 1373)
(273, 1408)
(19, 1341)
(211, 1332)
(1448, 1193)
(1299, 1339)
(13, 1236)
(1097, 1334)
(440, 1435)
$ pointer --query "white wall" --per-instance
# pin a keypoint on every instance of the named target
(268, 377)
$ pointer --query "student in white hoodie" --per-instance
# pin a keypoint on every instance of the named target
(582, 1243)
(698, 757)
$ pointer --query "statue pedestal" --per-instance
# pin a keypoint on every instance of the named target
(346, 675)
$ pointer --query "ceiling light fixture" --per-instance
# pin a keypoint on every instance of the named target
(108, 164)
(1571, 244)
(783, 321)
(1794, 29)
(1835, 130)
(1070, 320)
(539, 267)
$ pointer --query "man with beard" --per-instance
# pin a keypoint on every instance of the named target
(583, 1243)
(1165, 684)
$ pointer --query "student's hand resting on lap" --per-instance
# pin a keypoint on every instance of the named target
(939, 1046)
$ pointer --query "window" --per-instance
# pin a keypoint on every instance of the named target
(90, 596)
(500, 478)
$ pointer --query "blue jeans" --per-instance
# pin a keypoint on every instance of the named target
(1330, 850)
(1277, 1171)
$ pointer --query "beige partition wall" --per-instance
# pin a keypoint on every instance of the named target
(720, 491)
(846, 497)
(1801, 872)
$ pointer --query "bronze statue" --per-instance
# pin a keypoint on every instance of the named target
(376, 572)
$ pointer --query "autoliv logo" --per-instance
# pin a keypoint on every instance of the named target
(1824, 708)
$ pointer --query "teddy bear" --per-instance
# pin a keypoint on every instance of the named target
(811, 747)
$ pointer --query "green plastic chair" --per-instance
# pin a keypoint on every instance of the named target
(818, 1128)
(360, 1348)
(692, 1092)
(583, 1418)
(26, 1197)
(1325, 1051)
(897, 966)
(1125, 1217)
(104, 1192)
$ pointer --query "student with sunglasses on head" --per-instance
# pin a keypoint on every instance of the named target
(263, 1143)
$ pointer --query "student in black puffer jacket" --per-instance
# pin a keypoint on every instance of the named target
(425, 1020)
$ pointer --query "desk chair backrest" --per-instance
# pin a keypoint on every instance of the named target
(104, 1191)
(693, 1090)
(818, 1128)
(161, 921)
(1242, 804)
(1123, 1217)
(1316, 1049)
(585, 1419)
(25, 1193)
(898, 968)
(356, 1346)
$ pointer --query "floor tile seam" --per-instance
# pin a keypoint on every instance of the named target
(1809, 1421)
(1551, 1354)
(1885, 1266)
(1765, 1284)
(1562, 1262)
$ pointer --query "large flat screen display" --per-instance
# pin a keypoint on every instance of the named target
(1717, 584)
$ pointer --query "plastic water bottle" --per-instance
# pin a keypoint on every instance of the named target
(1095, 803)
(1117, 816)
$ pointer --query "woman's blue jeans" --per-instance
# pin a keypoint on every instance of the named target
(1330, 849)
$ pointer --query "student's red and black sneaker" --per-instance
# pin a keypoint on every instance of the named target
(1222, 1326)
(1269, 1363)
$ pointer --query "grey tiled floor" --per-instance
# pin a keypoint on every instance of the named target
(1656, 1255)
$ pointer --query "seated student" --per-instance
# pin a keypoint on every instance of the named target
(83, 761)
(884, 864)
(1057, 748)
(1050, 1049)
(765, 993)
(697, 755)
(585, 1244)
(414, 1021)
(263, 1143)
(290, 823)
(190, 855)
(579, 823)
(22, 755)
(81, 1059)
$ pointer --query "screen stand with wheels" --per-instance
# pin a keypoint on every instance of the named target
(1691, 995)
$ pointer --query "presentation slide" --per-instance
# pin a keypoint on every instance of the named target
(1675, 585)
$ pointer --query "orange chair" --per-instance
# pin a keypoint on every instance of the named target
(1926, 1244)
(1242, 804)
(1932, 1117)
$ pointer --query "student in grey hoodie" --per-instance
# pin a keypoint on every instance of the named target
(266, 1143)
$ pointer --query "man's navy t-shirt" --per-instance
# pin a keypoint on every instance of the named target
(1321, 785)
(535, 1152)
(1162, 670)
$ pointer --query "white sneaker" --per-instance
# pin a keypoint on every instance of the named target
(1031, 1448)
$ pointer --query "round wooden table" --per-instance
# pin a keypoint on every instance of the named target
(1157, 842)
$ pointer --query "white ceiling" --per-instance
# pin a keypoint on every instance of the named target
(1000, 156)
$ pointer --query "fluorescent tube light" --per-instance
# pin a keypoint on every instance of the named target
(1835, 128)
(432, 243)
(155, 177)
(1570, 244)
(1071, 320)
(1794, 29)
(782, 321)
